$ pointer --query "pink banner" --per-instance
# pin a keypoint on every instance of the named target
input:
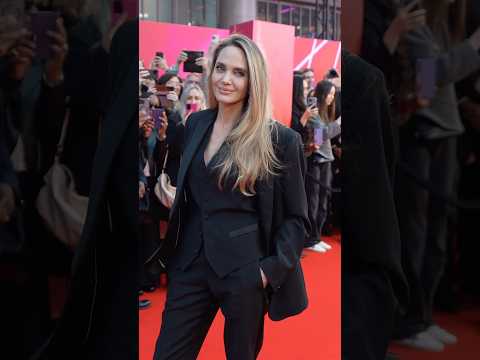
(319, 55)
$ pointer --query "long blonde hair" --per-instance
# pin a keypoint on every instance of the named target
(250, 154)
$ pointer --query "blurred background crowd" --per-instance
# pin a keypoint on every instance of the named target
(54, 70)
(428, 52)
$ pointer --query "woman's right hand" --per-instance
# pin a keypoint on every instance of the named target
(159, 63)
(141, 189)
(475, 39)
(405, 21)
(10, 33)
(309, 112)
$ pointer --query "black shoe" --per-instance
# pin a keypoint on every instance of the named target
(144, 304)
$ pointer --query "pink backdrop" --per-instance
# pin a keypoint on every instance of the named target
(171, 39)
(279, 59)
(284, 52)
(320, 55)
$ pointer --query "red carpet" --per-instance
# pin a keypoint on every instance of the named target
(315, 334)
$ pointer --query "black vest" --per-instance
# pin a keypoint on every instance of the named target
(222, 223)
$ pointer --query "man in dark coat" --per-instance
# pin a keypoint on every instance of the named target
(373, 283)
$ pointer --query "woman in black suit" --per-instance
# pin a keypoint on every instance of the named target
(236, 233)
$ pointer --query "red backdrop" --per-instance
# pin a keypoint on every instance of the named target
(283, 51)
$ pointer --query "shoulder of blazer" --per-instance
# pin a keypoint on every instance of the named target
(283, 136)
(360, 78)
(194, 119)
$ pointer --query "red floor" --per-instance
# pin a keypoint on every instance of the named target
(315, 334)
(465, 325)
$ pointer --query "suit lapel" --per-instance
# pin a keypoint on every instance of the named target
(265, 208)
(191, 148)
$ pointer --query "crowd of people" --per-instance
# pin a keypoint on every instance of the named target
(166, 101)
(54, 91)
(428, 52)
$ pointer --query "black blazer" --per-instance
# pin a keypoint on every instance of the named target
(370, 233)
(283, 219)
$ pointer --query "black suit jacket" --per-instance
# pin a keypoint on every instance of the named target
(370, 234)
(283, 218)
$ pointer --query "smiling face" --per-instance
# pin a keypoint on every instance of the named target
(230, 76)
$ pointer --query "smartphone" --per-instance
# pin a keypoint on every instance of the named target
(189, 65)
(41, 22)
(157, 117)
(192, 107)
(164, 89)
(426, 76)
(162, 99)
(311, 101)
(318, 135)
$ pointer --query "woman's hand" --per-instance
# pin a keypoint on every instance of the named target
(475, 39)
(337, 151)
(264, 279)
(182, 57)
(405, 21)
(172, 98)
(148, 127)
(21, 57)
(54, 65)
(153, 99)
(162, 131)
(10, 33)
(159, 63)
(203, 62)
(141, 189)
(311, 111)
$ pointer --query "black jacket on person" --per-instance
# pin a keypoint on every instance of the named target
(374, 288)
(370, 234)
(282, 210)
(100, 318)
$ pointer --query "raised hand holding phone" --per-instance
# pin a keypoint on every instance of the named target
(59, 50)
(42, 24)
(408, 18)
(310, 111)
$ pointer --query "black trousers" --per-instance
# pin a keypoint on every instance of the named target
(423, 223)
(149, 241)
(193, 299)
(368, 312)
(317, 197)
